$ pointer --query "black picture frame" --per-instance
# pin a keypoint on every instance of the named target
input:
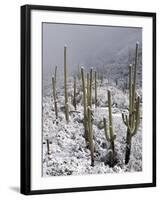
(25, 184)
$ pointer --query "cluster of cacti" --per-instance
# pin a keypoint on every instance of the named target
(87, 81)
(111, 136)
(132, 119)
(65, 85)
(87, 104)
(54, 92)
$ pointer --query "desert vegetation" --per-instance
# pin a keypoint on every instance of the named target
(92, 123)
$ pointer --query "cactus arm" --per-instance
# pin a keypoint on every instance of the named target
(124, 118)
(114, 137)
(126, 122)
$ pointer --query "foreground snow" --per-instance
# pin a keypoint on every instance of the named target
(69, 154)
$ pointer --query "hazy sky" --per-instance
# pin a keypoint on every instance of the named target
(86, 45)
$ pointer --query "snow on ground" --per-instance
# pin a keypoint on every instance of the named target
(69, 154)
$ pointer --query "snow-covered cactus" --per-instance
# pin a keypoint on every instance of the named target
(55, 74)
(90, 135)
(111, 136)
(87, 102)
(74, 96)
(55, 96)
(116, 82)
(84, 103)
(101, 78)
(65, 85)
(132, 119)
(95, 82)
(79, 72)
(90, 91)
(48, 146)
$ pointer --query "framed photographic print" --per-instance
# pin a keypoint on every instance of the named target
(88, 99)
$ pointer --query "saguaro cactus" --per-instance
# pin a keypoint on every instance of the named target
(132, 120)
(111, 136)
(79, 72)
(55, 96)
(74, 97)
(95, 82)
(87, 101)
(65, 86)
(90, 135)
(84, 103)
(55, 74)
(48, 146)
(90, 91)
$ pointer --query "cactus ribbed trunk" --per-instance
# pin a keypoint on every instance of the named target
(95, 78)
(110, 121)
(55, 96)
(84, 104)
(135, 76)
(90, 135)
(110, 137)
(88, 89)
(74, 98)
(105, 129)
(48, 146)
(65, 86)
(55, 74)
(87, 101)
(128, 147)
(90, 92)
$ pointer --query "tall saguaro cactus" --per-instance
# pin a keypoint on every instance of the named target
(111, 136)
(90, 91)
(54, 95)
(95, 82)
(65, 85)
(84, 103)
(55, 74)
(87, 101)
(74, 96)
(90, 135)
(132, 120)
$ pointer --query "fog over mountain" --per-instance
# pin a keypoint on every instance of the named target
(96, 46)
